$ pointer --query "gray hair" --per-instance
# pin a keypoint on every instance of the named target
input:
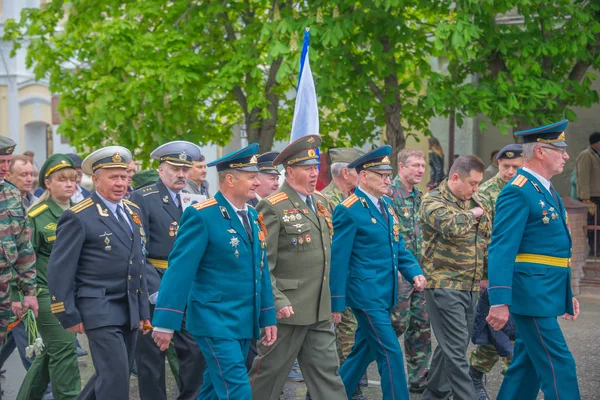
(528, 150)
(337, 167)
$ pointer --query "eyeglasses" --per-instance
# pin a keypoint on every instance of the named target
(560, 150)
(382, 176)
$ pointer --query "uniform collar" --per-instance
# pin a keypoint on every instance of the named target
(545, 182)
(111, 205)
(373, 199)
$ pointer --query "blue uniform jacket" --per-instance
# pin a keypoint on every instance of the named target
(214, 270)
(366, 255)
(530, 251)
(96, 272)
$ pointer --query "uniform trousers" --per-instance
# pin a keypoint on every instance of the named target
(376, 341)
(112, 350)
(541, 360)
(150, 362)
(57, 364)
(314, 347)
(225, 375)
(452, 316)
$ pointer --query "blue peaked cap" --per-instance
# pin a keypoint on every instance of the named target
(553, 134)
(378, 159)
(242, 160)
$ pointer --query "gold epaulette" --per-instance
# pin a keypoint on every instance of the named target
(131, 203)
(519, 181)
(204, 204)
(148, 189)
(350, 200)
(277, 198)
(79, 207)
(37, 211)
(320, 194)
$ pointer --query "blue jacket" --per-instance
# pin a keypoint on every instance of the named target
(484, 334)
(214, 270)
(366, 255)
(530, 251)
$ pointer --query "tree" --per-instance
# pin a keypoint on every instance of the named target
(531, 60)
(374, 61)
(144, 72)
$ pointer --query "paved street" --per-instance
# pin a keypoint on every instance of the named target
(582, 337)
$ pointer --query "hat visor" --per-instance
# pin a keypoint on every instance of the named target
(180, 164)
(270, 172)
(559, 144)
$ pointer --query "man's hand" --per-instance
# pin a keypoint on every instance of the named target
(77, 328)
(575, 311)
(30, 302)
(162, 340)
(483, 284)
(419, 282)
(497, 317)
(477, 212)
(270, 336)
(336, 317)
(591, 207)
(285, 312)
(17, 309)
(145, 326)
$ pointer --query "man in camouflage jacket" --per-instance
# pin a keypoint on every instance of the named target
(17, 252)
(410, 317)
(485, 356)
(456, 230)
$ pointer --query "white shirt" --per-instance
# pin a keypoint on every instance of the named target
(173, 196)
(78, 195)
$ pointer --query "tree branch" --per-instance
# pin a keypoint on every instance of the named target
(182, 16)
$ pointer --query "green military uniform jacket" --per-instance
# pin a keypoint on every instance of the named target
(299, 254)
(407, 205)
(42, 219)
(489, 192)
(333, 194)
(454, 254)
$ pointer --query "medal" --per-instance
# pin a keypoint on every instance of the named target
(307, 238)
(237, 254)
(542, 204)
(373, 220)
(294, 241)
(545, 218)
(300, 240)
(298, 217)
(292, 218)
(286, 218)
(234, 242)
(551, 209)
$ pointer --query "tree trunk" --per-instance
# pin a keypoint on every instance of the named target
(393, 126)
(263, 130)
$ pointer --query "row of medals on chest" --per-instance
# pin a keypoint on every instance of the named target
(553, 213)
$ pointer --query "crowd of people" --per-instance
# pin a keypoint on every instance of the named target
(235, 290)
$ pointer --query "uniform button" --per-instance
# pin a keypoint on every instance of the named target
(256, 293)
(140, 277)
(394, 256)
(130, 261)
(129, 277)
(256, 281)
(324, 278)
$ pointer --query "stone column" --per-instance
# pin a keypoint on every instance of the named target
(577, 220)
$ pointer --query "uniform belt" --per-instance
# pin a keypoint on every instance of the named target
(162, 264)
(545, 260)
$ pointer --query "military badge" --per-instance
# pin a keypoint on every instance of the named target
(373, 220)
(107, 246)
(136, 218)
(102, 211)
(182, 156)
(292, 218)
(294, 241)
(542, 204)
(116, 158)
(234, 242)
(51, 226)
(545, 218)
(232, 231)
(307, 238)
(299, 216)
(300, 240)
(166, 199)
(405, 212)
(286, 218)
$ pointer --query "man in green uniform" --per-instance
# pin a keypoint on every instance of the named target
(58, 363)
(456, 231)
(485, 356)
(17, 254)
(410, 317)
(299, 228)
(344, 181)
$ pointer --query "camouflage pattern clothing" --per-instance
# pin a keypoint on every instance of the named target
(484, 357)
(448, 226)
(410, 316)
(346, 328)
(17, 252)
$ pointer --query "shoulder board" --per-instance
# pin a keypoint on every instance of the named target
(519, 181)
(77, 208)
(319, 193)
(37, 211)
(277, 198)
(205, 204)
(251, 206)
(149, 189)
(350, 200)
(131, 203)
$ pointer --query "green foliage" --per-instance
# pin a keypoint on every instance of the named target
(529, 59)
(141, 73)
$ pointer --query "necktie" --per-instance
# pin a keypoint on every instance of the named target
(244, 215)
(553, 192)
(179, 201)
(310, 204)
(122, 217)
(383, 211)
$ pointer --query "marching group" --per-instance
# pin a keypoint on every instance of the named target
(233, 289)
